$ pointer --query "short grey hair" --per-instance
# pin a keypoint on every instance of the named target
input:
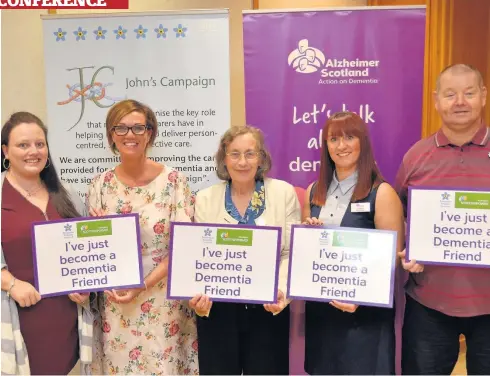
(460, 68)
(227, 139)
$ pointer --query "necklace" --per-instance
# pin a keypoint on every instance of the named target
(28, 192)
(33, 191)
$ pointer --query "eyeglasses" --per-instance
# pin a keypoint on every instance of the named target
(139, 129)
(249, 155)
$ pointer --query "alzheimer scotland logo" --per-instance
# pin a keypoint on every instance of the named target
(340, 70)
(306, 59)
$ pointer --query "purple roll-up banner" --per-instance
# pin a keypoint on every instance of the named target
(301, 66)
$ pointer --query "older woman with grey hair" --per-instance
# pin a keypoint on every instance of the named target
(236, 338)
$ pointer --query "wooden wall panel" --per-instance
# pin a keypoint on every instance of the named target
(457, 31)
(437, 56)
(470, 38)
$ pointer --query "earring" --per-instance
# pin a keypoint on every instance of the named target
(3, 164)
(48, 163)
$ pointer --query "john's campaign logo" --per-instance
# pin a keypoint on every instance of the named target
(333, 70)
(95, 91)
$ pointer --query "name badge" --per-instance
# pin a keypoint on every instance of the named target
(360, 207)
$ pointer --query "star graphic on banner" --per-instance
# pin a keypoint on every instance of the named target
(67, 227)
(445, 196)
(324, 235)
(207, 232)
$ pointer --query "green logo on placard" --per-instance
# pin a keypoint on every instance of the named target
(234, 237)
(350, 239)
(94, 228)
(472, 200)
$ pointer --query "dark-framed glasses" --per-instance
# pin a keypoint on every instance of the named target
(138, 129)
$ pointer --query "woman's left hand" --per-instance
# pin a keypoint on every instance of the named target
(123, 296)
(346, 307)
(313, 221)
(79, 298)
(278, 306)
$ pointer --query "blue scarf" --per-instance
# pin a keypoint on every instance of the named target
(255, 208)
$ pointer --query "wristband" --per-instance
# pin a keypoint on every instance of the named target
(12, 283)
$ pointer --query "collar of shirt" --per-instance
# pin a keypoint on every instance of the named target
(480, 138)
(345, 185)
(255, 208)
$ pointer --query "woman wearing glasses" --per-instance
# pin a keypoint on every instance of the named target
(142, 331)
(246, 338)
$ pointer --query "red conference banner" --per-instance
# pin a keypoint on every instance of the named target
(64, 4)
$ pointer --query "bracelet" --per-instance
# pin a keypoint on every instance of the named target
(12, 283)
(146, 286)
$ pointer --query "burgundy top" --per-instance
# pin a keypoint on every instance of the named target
(50, 327)
(434, 161)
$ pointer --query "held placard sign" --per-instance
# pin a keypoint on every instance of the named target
(351, 265)
(87, 254)
(232, 263)
(449, 227)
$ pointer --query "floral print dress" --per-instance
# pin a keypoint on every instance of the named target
(151, 335)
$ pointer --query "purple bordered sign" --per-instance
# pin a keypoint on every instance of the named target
(448, 226)
(87, 254)
(351, 265)
(228, 263)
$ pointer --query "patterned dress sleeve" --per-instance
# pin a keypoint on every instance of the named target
(183, 200)
(94, 196)
(94, 201)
